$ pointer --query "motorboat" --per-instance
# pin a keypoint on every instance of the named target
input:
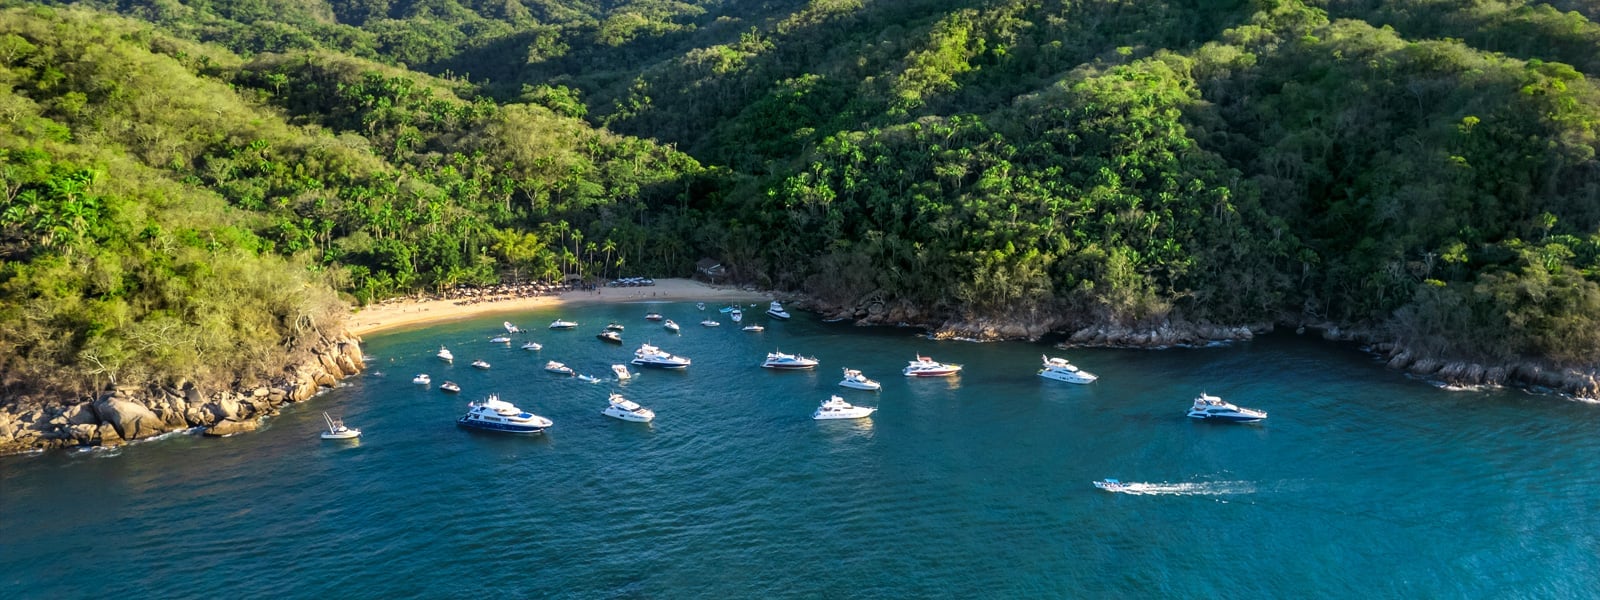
(711, 323)
(445, 355)
(727, 309)
(854, 379)
(586, 378)
(754, 328)
(1211, 408)
(628, 410)
(1061, 370)
(776, 310)
(737, 315)
(558, 368)
(1112, 485)
(512, 328)
(422, 379)
(653, 357)
(500, 339)
(837, 408)
(609, 336)
(450, 387)
(533, 346)
(670, 326)
(614, 326)
(700, 305)
(652, 316)
(337, 430)
(494, 414)
(927, 367)
(779, 360)
(622, 372)
(560, 324)
(480, 364)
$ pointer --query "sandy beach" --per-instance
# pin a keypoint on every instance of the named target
(411, 313)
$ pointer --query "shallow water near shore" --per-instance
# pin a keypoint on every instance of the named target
(1361, 483)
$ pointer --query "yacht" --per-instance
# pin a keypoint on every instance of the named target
(422, 379)
(614, 326)
(1211, 408)
(653, 357)
(495, 414)
(445, 355)
(1061, 370)
(450, 386)
(711, 323)
(532, 346)
(500, 339)
(837, 408)
(622, 372)
(927, 367)
(480, 364)
(628, 410)
(337, 430)
(737, 315)
(560, 324)
(854, 379)
(700, 305)
(652, 316)
(754, 328)
(609, 336)
(558, 368)
(511, 328)
(779, 360)
(670, 326)
(777, 311)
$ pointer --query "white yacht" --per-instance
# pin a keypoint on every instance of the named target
(445, 355)
(337, 430)
(622, 372)
(422, 379)
(653, 357)
(711, 323)
(628, 410)
(480, 364)
(736, 314)
(837, 408)
(558, 368)
(754, 328)
(854, 379)
(927, 367)
(533, 346)
(450, 387)
(500, 339)
(777, 311)
(1211, 408)
(1061, 370)
(779, 360)
(495, 414)
(670, 326)
(512, 328)
(609, 335)
(615, 326)
(560, 324)
(652, 316)
(1112, 485)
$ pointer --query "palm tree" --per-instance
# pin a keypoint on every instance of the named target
(609, 247)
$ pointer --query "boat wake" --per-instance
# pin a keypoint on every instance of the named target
(1203, 488)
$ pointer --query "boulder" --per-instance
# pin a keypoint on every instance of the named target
(131, 420)
(352, 351)
(81, 413)
(225, 407)
(107, 435)
(228, 427)
(326, 380)
(304, 389)
(329, 365)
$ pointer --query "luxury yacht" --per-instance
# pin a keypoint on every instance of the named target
(653, 357)
(777, 311)
(337, 430)
(558, 368)
(1211, 408)
(500, 339)
(622, 372)
(628, 410)
(495, 414)
(480, 364)
(1061, 370)
(854, 379)
(450, 386)
(837, 408)
(560, 324)
(779, 360)
(927, 367)
(445, 355)
(532, 346)
(422, 379)
(610, 336)
(670, 326)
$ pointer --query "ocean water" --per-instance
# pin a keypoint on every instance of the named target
(1362, 483)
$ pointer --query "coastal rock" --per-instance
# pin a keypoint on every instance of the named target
(132, 420)
(1426, 366)
(304, 389)
(225, 408)
(231, 426)
(347, 366)
(329, 365)
(352, 351)
(107, 435)
(325, 380)
(1401, 360)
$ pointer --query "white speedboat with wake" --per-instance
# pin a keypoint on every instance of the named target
(855, 380)
(1112, 485)
(837, 408)
(1061, 370)
(1211, 408)
(628, 410)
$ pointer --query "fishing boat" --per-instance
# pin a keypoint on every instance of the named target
(670, 326)
(776, 311)
(609, 336)
(1061, 370)
(480, 364)
(533, 346)
(560, 324)
(337, 430)
(558, 368)
(450, 387)
(628, 410)
(927, 367)
(653, 357)
(779, 360)
(422, 379)
(494, 414)
(837, 408)
(445, 355)
(855, 380)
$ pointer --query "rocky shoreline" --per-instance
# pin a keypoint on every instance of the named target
(127, 414)
(1579, 382)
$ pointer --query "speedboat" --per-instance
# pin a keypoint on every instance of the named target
(558, 368)
(586, 378)
(711, 323)
(609, 336)
(653, 357)
(737, 315)
(445, 355)
(532, 346)
(1211, 408)
(700, 305)
(777, 311)
(337, 430)
(779, 360)
(754, 328)
(652, 316)
(422, 379)
(1061, 370)
(1112, 485)
(512, 328)
(837, 408)
(560, 324)
(480, 364)
(500, 339)
(614, 326)
(495, 414)
(622, 372)
(450, 386)
(628, 410)
(854, 379)
(670, 326)
(927, 367)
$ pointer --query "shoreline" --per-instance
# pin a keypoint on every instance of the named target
(396, 314)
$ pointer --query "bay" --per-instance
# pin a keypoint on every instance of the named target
(1363, 482)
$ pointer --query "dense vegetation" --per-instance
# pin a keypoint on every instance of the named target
(1420, 166)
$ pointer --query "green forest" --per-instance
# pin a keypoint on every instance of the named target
(196, 188)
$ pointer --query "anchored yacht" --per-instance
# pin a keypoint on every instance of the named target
(837, 408)
(495, 414)
(1211, 408)
(1061, 370)
(779, 360)
(927, 367)
(628, 410)
(854, 379)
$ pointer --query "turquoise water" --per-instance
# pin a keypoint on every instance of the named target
(1361, 483)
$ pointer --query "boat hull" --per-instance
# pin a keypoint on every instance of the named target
(939, 373)
(788, 367)
(627, 416)
(1067, 377)
(782, 316)
(857, 413)
(657, 365)
(1240, 418)
(342, 435)
(499, 427)
(871, 386)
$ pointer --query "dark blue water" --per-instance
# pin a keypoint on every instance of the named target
(1361, 483)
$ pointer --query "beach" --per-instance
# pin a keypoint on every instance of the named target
(409, 313)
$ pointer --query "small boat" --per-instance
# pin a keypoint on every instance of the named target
(614, 326)
(652, 316)
(480, 364)
(670, 326)
(837, 408)
(737, 315)
(588, 379)
(495, 414)
(711, 323)
(560, 324)
(532, 346)
(1211, 408)
(445, 355)
(512, 328)
(779, 360)
(499, 339)
(450, 387)
(609, 336)
(854, 379)
(1060, 370)
(927, 367)
(622, 372)
(754, 328)
(727, 309)
(1112, 485)
(337, 430)
(777, 311)
(653, 357)
(422, 379)
(628, 410)
(700, 305)
(558, 368)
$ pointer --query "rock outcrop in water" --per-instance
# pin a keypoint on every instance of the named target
(125, 414)
(1034, 324)
(1581, 382)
